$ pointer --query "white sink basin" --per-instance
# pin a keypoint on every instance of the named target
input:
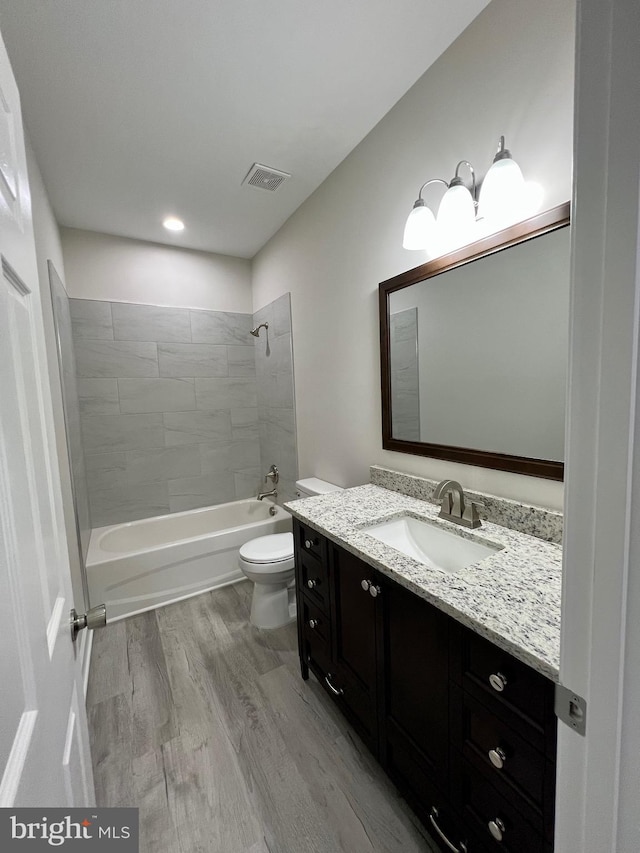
(430, 544)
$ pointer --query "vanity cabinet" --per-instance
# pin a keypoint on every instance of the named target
(466, 731)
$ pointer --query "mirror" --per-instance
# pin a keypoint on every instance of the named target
(474, 351)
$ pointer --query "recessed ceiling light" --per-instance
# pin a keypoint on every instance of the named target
(172, 223)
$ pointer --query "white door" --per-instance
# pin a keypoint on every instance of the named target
(44, 755)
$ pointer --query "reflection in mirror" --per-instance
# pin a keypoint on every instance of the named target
(405, 392)
(477, 356)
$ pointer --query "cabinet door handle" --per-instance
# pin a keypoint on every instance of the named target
(497, 757)
(498, 681)
(365, 584)
(497, 828)
(313, 623)
(337, 691)
(309, 543)
(433, 815)
(312, 584)
(374, 591)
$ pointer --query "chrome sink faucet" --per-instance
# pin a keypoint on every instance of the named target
(273, 475)
(454, 507)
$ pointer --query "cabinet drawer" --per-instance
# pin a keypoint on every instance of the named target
(315, 622)
(310, 542)
(314, 580)
(483, 808)
(316, 652)
(497, 750)
(515, 689)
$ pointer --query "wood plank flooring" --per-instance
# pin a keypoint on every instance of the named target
(205, 724)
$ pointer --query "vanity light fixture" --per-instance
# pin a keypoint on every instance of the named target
(420, 230)
(505, 198)
(172, 223)
(503, 194)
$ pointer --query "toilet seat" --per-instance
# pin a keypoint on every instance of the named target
(268, 551)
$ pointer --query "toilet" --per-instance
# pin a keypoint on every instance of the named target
(268, 562)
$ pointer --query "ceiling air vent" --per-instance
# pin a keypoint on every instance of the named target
(265, 178)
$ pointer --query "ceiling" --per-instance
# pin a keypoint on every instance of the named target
(141, 108)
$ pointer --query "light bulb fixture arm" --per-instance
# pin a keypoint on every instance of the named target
(431, 181)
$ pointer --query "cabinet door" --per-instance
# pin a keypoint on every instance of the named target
(415, 696)
(355, 615)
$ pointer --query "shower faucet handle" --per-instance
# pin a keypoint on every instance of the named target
(272, 474)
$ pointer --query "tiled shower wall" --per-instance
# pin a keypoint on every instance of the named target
(276, 405)
(169, 407)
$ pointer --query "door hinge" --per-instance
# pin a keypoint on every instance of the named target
(571, 709)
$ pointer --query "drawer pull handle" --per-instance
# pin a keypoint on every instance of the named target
(365, 584)
(337, 691)
(497, 828)
(433, 816)
(313, 623)
(374, 591)
(310, 543)
(498, 681)
(312, 584)
(497, 757)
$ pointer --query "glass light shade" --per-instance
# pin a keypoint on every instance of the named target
(503, 199)
(456, 218)
(420, 230)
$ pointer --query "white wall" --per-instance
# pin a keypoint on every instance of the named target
(510, 72)
(116, 269)
(48, 247)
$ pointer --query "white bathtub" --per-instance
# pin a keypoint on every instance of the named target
(144, 564)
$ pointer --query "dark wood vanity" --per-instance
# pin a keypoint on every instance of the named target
(466, 731)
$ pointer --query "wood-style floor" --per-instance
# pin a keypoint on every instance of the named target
(205, 724)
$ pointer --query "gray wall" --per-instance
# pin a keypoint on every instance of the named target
(276, 407)
(170, 406)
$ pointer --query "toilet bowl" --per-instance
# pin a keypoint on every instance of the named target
(268, 562)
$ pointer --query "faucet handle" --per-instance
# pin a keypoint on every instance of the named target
(470, 514)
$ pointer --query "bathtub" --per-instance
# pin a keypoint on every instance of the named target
(155, 561)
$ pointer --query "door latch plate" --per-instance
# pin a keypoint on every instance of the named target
(571, 709)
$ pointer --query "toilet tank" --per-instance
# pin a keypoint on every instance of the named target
(313, 486)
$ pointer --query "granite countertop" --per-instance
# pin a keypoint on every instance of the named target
(512, 597)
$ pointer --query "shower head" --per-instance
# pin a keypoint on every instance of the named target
(256, 332)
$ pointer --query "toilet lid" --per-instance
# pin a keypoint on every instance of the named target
(268, 549)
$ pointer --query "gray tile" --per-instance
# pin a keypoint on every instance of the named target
(191, 492)
(248, 483)
(156, 395)
(281, 313)
(98, 396)
(241, 361)
(136, 467)
(404, 325)
(122, 432)
(193, 360)
(244, 423)
(229, 456)
(233, 393)
(182, 428)
(150, 323)
(148, 466)
(116, 505)
(102, 359)
(91, 319)
(220, 327)
(105, 461)
(106, 471)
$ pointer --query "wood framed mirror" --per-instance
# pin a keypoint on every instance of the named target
(473, 351)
